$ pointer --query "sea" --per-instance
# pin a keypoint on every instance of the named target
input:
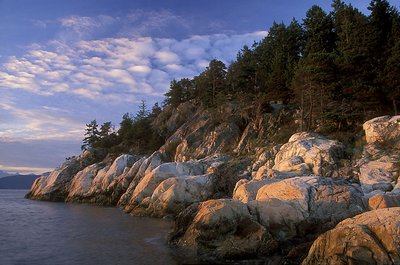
(41, 233)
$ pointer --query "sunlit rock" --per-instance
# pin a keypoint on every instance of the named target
(309, 152)
(82, 182)
(369, 238)
(55, 187)
(144, 166)
(383, 129)
(305, 205)
(223, 228)
(382, 200)
(381, 174)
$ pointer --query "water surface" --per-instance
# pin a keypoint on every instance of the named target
(35, 232)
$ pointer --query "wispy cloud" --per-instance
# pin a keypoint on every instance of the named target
(25, 170)
(134, 23)
(37, 123)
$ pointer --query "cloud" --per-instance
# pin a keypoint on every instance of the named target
(37, 123)
(25, 170)
(79, 27)
(97, 68)
(107, 68)
(166, 57)
(88, 78)
(135, 23)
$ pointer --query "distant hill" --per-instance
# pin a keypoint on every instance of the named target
(17, 181)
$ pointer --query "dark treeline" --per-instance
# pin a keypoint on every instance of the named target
(136, 133)
(335, 69)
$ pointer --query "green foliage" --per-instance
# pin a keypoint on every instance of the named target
(105, 138)
(136, 134)
(211, 83)
(92, 135)
(179, 92)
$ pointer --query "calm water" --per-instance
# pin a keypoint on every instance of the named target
(33, 232)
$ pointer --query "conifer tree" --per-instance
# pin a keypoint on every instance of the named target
(92, 135)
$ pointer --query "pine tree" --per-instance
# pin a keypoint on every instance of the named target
(313, 82)
(319, 33)
(243, 75)
(92, 135)
(211, 83)
(278, 56)
(357, 74)
(179, 92)
(142, 113)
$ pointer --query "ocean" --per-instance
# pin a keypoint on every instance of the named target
(35, 232)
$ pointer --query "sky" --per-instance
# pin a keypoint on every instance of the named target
(64, 63)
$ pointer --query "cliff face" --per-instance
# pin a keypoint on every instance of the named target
(235, 194)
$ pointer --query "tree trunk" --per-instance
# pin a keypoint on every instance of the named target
(302, 111)
(321, 103)
(310, 121)
(213, 96)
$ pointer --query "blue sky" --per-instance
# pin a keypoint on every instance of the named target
(64, 63)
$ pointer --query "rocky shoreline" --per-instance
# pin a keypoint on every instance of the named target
(301, 201)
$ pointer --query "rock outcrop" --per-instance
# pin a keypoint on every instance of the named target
(171, 187)
(223, 228)
(250, 206)
(55, 187)
(383, 129)
(309, 153)
(380, 174)
(82, 182)
(370, 238)
(287, 209)
(103, 188)
(379, 167)
(303, 206)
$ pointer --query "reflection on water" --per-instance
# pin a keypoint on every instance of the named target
(34, 232)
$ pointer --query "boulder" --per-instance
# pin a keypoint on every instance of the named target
(385, 129)
(369, 238)
(55, 186)
(121, 183)
(173, 195)
(222, 228)
(379, 201)
(81, 183)
(302, 206)
(309, 152)
(171, 187)
(149, 183)
(144, 167)
(102, 181)
(99, 191)
(381, 174)
(246, 191)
